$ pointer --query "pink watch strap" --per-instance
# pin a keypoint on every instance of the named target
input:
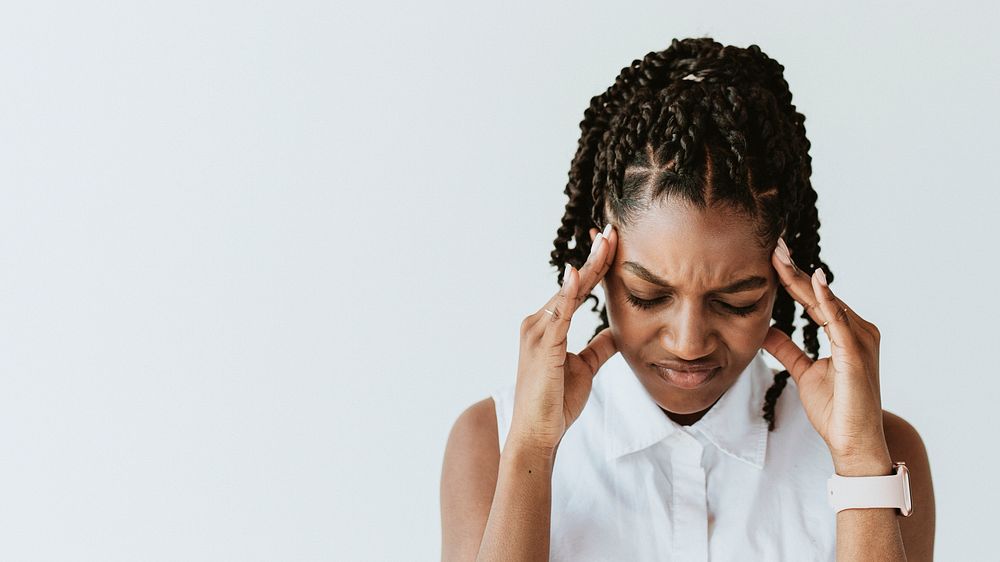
(849, 492)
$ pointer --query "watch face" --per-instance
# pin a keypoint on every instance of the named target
(905, 472)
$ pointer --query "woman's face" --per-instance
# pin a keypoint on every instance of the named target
(711, 290)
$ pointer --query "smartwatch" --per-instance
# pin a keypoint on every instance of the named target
(857, 492)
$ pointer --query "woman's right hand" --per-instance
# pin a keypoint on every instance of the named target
(552, 385)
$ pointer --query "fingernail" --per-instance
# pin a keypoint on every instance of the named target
(607, 230)
(597, 243)
(782, 252)
(822, 276)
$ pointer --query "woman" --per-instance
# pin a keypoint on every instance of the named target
(664, 438)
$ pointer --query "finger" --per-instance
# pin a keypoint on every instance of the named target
(855, 319)
(557, 325)
(799, 287)
(839, 328)
(796, 282)
(602, 255)
(787, 352)
(599, 350)
(597, 265)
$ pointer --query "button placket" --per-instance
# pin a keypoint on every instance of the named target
(690, 504)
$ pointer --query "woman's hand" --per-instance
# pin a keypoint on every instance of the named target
(552, 385)
(840, 394)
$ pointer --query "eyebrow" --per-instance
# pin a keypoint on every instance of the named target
(745, 284)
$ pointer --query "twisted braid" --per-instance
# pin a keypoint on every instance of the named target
(730, 135)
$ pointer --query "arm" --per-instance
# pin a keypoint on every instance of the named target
(493, 507)
(841, 395)
(511, 520)
(519, 522)
(872, 533)
(876, 534)
(917, 529)
(468, 480)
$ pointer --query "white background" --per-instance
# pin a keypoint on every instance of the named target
(258, 256)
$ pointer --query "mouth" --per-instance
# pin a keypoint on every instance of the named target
(687, 378)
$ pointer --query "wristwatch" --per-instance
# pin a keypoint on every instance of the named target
(853, 492)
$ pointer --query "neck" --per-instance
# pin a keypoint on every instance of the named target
(688, 419)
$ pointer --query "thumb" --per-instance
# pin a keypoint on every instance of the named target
(599, 350)
(787, 352)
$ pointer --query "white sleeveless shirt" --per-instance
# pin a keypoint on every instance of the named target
(630, 484)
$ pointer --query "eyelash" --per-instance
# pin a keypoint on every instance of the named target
(643, 304)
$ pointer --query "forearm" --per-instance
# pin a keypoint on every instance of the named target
(871, 533)
(518, 524)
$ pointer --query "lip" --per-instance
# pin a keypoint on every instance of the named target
(687, 367)
(688, 378)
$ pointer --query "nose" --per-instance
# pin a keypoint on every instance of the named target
(687, 333)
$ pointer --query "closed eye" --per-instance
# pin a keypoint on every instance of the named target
(646, 304)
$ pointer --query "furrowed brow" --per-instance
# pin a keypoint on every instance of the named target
(745, 284)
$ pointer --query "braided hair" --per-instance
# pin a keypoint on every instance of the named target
(709, 124)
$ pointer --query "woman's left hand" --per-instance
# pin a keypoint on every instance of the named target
(840, 394)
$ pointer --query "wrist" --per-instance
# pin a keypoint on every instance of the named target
(877, 463)
(528, 448)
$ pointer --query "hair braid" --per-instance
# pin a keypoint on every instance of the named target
(729, 135)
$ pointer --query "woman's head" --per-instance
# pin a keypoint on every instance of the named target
(698, 157)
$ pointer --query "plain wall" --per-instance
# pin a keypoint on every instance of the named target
(257, 257)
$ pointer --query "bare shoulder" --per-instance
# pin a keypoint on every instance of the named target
(468, 480)
(905, 444)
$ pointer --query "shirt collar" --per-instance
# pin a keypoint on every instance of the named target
(735, 424)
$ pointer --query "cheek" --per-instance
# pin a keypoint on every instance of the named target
(747, 335)
(627, 323)
(755, 329)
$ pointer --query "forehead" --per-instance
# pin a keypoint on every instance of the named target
(692, 247)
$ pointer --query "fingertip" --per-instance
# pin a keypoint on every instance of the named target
(776, 261)
(773, 337)
(571, 277)
(612, 248)
(782, 257)
(817, 282)
(596, 246)
(769, 336)
(821, 276)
